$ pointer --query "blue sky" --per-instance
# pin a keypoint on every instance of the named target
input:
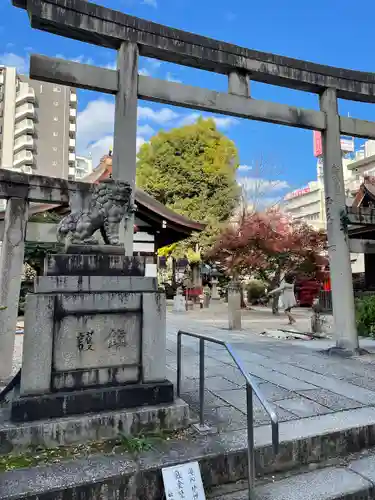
(334, 32)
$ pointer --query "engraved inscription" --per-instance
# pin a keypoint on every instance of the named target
(98, 341)
(117, 338)
(337, 178)
(85, 341)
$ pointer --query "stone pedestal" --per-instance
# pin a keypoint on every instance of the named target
(94, 339)
(234, 306)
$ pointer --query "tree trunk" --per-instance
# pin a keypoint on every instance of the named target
(174, 283)
(275, 299)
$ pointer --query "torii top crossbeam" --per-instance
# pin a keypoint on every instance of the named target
(105, 27)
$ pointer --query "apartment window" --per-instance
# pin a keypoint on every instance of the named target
(54, 163)
(55, 134)
(55, 118)
(56, 103)
(54, 148)
(41, 88)
(56, 89)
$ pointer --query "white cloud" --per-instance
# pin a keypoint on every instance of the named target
(189, 119)
(144, 72)
(171, 78)
(95, 122)
(145, 130)
(221, 122)
(99, 148)
(102, 147)
(140, 142)
(257, 185)
(162, 116)
(262, 193)
(153, 3)
(16, 61)
(224, 121)
(244, 168)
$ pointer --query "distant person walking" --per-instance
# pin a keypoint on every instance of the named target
(287, 299)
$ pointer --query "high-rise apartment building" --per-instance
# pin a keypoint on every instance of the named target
(83, 167)
(37, 125)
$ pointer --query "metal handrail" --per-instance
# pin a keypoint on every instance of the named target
(251, 386)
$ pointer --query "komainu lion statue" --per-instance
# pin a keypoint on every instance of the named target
(110, 203)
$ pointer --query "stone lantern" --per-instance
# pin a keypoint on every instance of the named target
(214, 282)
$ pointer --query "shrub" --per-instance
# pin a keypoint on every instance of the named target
(255, 290)
(365, 315)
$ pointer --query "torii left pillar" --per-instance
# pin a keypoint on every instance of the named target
(125, 132)
(11, 270)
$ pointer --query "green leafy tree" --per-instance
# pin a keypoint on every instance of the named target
(192, 170)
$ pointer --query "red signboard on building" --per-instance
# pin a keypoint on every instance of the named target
(298, 192)
(318, 144)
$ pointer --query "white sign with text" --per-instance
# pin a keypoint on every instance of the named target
(183, 482)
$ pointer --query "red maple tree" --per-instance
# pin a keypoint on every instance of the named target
(267, 245)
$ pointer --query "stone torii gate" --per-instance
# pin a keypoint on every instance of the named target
(131, 37)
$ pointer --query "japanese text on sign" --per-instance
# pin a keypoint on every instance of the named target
(183, 482)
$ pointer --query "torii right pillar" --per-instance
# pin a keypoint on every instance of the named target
(345, 328)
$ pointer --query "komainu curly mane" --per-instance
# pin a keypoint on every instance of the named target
(110, 202)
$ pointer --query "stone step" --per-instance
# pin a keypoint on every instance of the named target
(222, 458)
(354, 481)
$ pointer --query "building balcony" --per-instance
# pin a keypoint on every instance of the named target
(72, 114)
(72, 158)
(26, 169)
(73, 99)
(23, 142)
(25, 111)
(72, 143)
(23, 158)
(24, 127)
(25, 96)
(72, 129)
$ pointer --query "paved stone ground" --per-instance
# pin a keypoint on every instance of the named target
(293, 374)
(255, 320)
